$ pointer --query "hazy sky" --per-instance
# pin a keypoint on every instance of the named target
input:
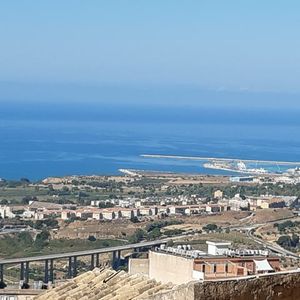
(240, 46)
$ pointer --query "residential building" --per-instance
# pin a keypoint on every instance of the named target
(182, 264)
(218, 194)
(6, 212)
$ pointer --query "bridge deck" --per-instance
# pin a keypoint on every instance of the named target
(80, 253)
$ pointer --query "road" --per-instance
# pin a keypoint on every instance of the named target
(81, 253)
(250, 228)
(272, 247)
(10, 231)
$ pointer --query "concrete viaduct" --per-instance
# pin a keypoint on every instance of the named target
(72, 259)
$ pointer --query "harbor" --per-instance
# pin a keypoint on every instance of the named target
(244, 166)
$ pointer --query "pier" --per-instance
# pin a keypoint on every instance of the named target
(282, 163)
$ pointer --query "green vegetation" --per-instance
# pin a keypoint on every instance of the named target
(135, 219)
(41, 224)
(288, 242)
(160, 224)
(14, 183)
(91, 238)
(83, 190)
(106, 205)
(153, 231)
(22, 244)
(138, 236)
(173, 232)
(230, 190)
(286, 225)
(210, 227)
(154, 234)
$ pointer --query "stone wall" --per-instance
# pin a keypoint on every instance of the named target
(180, 292)
(270, 287)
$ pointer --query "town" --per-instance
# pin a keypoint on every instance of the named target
(216, 227)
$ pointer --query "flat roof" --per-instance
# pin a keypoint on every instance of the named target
(218, 243)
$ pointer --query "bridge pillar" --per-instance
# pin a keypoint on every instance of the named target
(119, 258)
(46, 277)
(1, 273)
(97, 260)
(116, 260)
(26, 273)
(92, 262)
(70, 268)
(75, 266)
(114, 254)
(51, 271)
(22, 271)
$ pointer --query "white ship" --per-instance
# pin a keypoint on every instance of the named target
(293, 172)
(239, 167)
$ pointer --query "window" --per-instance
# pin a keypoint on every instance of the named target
(5, 297)
(226, 268)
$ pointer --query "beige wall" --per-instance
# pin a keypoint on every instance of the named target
(170, 268)
(275, 287)
(138, 266)
(19, 294)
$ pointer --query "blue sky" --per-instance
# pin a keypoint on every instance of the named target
(249, 47)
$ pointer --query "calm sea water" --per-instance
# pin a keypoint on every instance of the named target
(50, 141)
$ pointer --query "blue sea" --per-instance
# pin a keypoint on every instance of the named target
(38, 141)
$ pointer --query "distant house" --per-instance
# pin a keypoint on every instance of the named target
(218, 194)
(6, 212)
(67, 214)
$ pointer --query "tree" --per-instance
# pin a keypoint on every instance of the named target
(41, 239)
(138, 236)
(4, 202)
(284, 225)
(170, 243)
(25, 238)
(295, 240)
(103, 204)
(91, 238)
(173, 232)
(154, 234)
(105, 244)
(134, 219)
(26, 199)
(51, 188)
(284, 241)
(210, 227)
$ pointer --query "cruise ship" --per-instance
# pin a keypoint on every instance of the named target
(239, 167)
